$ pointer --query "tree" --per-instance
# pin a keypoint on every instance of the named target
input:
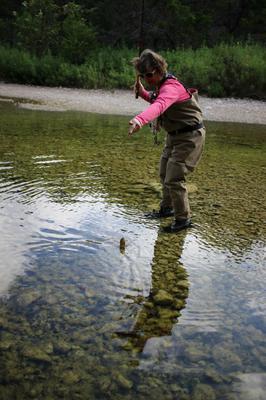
(42, 27)
(70, 28)
(78, 36)
(36, 27)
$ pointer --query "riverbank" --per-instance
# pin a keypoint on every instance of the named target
(123, 102)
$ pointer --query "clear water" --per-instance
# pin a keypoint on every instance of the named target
(164, 317)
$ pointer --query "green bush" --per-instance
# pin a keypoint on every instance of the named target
(223, 71)
(17, 66)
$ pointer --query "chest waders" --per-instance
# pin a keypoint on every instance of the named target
(182, 151)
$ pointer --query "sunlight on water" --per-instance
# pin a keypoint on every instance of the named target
(92, 227)
(97, 302)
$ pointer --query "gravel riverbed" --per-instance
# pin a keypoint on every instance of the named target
(123, 102)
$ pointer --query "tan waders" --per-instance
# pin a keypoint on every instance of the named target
(183, 148)
(180, 156)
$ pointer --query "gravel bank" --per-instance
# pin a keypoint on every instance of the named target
(122, 102)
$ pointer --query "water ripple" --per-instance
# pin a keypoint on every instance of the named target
(18, 189)
(54, 161)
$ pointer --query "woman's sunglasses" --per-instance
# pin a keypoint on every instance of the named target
(148, 74)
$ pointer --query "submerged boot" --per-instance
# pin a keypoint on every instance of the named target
(178, 225)
(163, 212)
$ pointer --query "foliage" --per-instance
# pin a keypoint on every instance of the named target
(63, 27)
(43, 27)
(36, 28)
(225, 70)
(78, 36)
(59, 42)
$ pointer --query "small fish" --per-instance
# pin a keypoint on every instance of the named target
(122, 245)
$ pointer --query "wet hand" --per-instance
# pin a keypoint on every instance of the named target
(133, 127)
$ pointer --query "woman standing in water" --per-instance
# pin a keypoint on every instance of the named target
(177, 110)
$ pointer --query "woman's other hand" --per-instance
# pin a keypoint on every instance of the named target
(134, 126)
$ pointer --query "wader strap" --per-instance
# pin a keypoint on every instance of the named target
(188, 128)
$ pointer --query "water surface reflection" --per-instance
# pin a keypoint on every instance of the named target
(171, 316)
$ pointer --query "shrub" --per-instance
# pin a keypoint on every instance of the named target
(225, 70)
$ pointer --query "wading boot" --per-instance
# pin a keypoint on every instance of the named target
(163, 212)
(177, 225)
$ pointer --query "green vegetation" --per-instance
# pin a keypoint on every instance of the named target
(224, 70)
(215, 45)
(78, 25)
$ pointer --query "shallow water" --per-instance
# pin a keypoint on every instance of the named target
(83, 316)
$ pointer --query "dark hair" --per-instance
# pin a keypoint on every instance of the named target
(149, 60)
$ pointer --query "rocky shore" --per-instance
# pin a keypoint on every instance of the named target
(123, 102)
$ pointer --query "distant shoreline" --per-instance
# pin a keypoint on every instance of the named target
(123, 102)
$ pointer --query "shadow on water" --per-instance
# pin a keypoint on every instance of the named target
(98, 303)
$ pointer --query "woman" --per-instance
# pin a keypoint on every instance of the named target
(177, 111)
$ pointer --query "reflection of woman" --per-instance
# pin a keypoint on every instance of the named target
(177, 111)
(159, 312)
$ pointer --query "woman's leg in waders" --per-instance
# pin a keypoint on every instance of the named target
(166, 207)
(185, 155)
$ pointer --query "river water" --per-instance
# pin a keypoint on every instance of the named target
(96, 302)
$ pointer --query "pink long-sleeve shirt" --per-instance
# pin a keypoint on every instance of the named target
(171, 91)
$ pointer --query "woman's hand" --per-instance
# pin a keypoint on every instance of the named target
(134, 126)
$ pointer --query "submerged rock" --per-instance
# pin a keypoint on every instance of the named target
(194, 353)
(183, 284)
(70, 377)
(27, 297)
(62, 347)
(5, 344)
(203, 392)
(89, 293)
(35, 354)
(166, 313)
(122, 381)
(213, 375)
(192, 188)
(163, 298)
(179, 304)
(105, 382)
(3, 323)
(225, 358)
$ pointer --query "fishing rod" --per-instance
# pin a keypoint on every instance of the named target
(154, 125)
(141, 41)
